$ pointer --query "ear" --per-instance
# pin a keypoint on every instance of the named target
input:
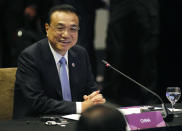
(46, 27)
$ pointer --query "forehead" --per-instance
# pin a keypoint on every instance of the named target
(62, 17)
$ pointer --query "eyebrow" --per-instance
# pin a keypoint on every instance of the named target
(61, 24)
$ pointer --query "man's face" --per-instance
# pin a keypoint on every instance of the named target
(62, 32)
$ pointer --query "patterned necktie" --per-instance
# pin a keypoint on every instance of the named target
(64, 80)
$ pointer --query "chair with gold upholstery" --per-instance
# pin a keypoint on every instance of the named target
(7, 81)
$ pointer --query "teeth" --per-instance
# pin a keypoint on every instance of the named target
(64, 41)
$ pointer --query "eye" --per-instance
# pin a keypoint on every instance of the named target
(74, 29)
(60, 28)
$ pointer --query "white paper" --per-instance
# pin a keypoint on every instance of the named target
(177, 110)
(72, 116)
(132, 110)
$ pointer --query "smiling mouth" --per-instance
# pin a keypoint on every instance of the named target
(65, 42)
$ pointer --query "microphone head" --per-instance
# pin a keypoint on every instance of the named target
(106, 63)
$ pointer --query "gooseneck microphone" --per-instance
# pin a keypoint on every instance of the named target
(167, 116)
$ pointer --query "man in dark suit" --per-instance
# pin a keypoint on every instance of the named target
(39, 88)
(87, 11)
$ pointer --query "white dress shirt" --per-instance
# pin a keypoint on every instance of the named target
(58, 57)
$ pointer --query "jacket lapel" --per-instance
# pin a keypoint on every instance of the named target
(50, 68)
(73, 70)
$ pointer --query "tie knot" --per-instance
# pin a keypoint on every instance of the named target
(62, 60)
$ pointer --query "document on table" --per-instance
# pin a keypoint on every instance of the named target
(125, 111)
(175, 110)
(130, 110)
(72, 116)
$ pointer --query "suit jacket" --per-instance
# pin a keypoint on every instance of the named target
(38, 87)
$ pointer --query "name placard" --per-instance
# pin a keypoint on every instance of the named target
(145, 120)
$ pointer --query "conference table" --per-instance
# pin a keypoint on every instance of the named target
(35, 124)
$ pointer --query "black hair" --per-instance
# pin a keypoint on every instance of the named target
(64, 8)
(101, 118)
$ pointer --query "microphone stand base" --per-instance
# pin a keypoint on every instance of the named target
(169, 117)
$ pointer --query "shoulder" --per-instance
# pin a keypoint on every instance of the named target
(78, 49)
(35, 47)
(34, 52)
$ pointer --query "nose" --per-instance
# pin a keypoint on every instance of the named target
(65, 33)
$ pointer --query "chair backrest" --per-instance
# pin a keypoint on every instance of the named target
(7, 81)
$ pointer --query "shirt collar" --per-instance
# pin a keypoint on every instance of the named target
(58, 56)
